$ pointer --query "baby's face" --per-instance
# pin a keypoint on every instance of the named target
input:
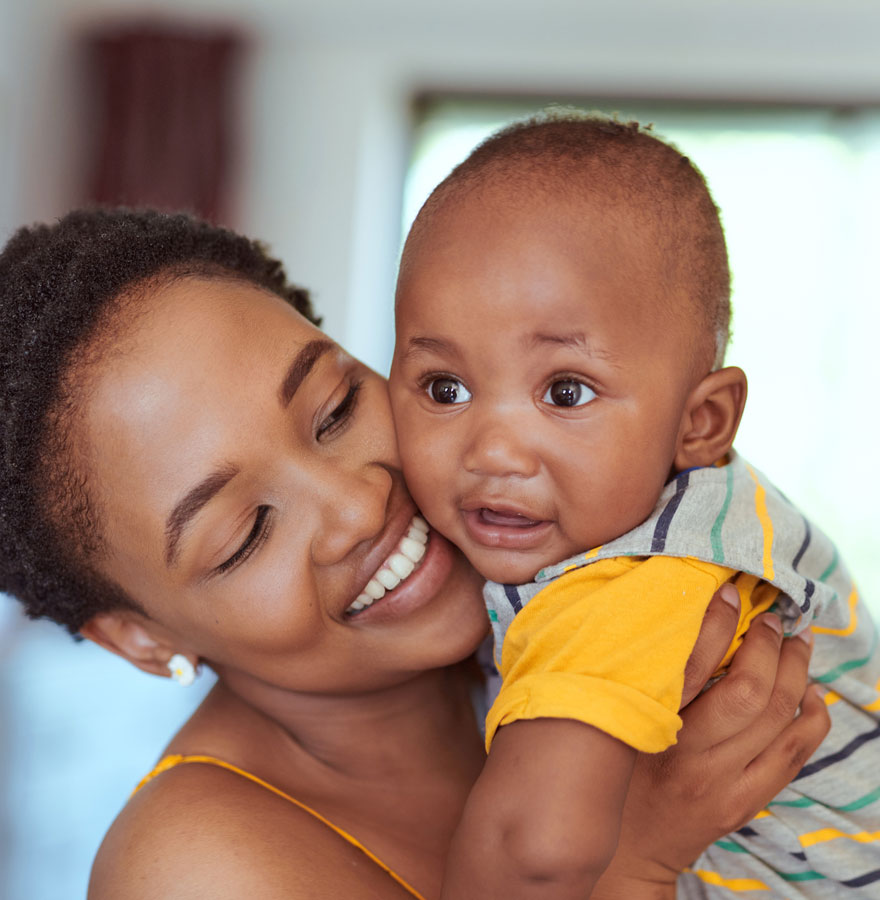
(537, 388)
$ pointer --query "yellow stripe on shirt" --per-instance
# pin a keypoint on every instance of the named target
(732, 884)
(590, 554)
(766, 525)
(831, 698)
(853, 618)
(823, 835)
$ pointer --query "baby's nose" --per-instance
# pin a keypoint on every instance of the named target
(501, 449)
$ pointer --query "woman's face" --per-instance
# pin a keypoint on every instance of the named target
(247, 477)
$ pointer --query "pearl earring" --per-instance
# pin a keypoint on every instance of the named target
(182, 670)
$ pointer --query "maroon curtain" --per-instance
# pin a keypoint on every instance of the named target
(164, 106)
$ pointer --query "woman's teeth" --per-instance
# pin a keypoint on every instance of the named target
(397, 567)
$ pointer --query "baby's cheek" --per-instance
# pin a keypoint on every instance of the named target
(427, 469)
(406, 425)
(425, 482)
(429, 481)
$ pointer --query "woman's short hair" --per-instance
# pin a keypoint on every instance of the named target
(60, 287)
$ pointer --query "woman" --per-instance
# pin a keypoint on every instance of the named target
(193, 474)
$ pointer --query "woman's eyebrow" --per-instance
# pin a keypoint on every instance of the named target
(189, 505)
(302, 364)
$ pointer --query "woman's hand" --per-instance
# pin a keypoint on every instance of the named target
(741, 743)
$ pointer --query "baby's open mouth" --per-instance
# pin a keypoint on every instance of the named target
(505, 529)
(507, 519)
(402, 562)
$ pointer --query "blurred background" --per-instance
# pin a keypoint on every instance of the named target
(320, 127)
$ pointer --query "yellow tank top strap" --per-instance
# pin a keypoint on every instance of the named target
(169, 762)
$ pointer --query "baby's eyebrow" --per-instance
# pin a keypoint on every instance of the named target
(575, 340)
(422, 344)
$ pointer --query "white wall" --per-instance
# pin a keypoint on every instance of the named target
(327, 89)
(11, 202)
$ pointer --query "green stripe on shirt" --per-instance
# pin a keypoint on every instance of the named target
(717, 546)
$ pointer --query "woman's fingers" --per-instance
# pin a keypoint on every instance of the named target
(743, 741)
(736, 701)
(741, 744)
(716, 633)
(779, 763)
(782, 704)
(795, 744)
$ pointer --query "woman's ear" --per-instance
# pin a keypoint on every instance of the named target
(132, 636)
(711, 418)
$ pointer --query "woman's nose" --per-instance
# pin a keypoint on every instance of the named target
(354, 507)
(501, 447)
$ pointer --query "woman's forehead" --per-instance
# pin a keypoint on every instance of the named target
(191, 376)
(192, 334)
(222, 303)
(191, 339)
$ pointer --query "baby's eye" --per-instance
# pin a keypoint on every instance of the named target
(568, 393)
(448, 390)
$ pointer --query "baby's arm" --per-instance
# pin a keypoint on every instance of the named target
(543, 818)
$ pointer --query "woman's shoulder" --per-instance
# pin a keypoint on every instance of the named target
(193, 830)
(202, 830)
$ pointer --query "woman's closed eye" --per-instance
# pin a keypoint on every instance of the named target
(256, 536)
(568, 392)
(336, 420)
(447, 390)
(341, 414)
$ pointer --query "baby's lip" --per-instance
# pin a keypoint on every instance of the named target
(505, 517)
(504, 528)
(501, 506)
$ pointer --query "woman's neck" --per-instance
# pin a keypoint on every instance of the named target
(394, 767)
(422, 723)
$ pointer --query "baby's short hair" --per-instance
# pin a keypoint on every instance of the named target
(622, 165)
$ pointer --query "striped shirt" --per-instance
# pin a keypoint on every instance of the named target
(820, 838)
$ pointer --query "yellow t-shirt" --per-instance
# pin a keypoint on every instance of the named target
(607, 644)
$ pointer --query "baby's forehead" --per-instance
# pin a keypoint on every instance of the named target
(554, 217)
(604, 180)
(591, 199)
(602, 223)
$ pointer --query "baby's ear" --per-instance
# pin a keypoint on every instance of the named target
(133, 637)
(711, 418)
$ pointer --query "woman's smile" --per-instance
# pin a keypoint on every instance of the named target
(397, 568)
(411, 575)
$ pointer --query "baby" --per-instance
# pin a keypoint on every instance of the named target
(565, 418)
